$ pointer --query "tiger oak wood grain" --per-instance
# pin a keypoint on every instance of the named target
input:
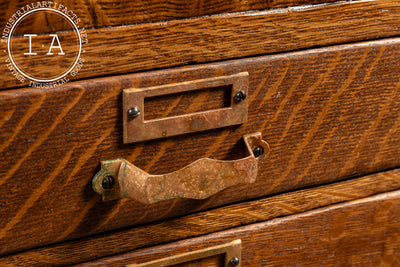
(133, 48)
(328, 114)
(363, 232)
(105, 13)
(207, 222)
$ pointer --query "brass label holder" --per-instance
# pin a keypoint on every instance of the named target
(231, 250)
(136, 128)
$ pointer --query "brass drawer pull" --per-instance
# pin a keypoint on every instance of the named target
(200, 179)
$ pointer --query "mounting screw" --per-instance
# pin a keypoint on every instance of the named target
(133, 112)
(234, 261)
(239, 97)
(108, 182)
(258, 151)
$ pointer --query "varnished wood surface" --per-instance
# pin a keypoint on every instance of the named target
(206, 222)
(328, 114)
(127, 49)
(96, 14)
(364, 232)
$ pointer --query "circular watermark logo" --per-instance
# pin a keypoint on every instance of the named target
(45, 44)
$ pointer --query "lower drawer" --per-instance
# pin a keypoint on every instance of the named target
(316, 222)
(361, 232)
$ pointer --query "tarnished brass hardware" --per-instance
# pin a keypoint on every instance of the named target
(200, 179)
(239, 97)
(133, 112)
(136, 128)
(231, 250)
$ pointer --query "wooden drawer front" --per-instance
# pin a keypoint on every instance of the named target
(140, 47)
(364, 232)
(206, 222)
(327, 114)
(113, 13)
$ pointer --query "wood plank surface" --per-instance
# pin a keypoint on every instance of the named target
(328, 114)
(133, 48)
(363, 232)
(203, 223)
(105, 13)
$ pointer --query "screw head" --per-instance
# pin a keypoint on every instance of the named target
(108, 182)
(234, 261)
(239, 97)
(258, 151)
(133, 112)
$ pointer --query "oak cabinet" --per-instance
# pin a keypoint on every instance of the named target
(321, 87)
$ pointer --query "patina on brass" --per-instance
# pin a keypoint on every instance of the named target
(138, 129)
(200, 179)
(231, 250)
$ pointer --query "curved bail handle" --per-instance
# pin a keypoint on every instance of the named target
(198, 180)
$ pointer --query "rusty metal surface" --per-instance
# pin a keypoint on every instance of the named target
(199, 180)
(231, 250)
(138, 129)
